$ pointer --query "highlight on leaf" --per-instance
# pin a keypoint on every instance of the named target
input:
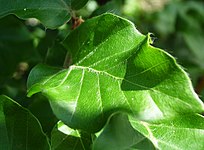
(125, 74)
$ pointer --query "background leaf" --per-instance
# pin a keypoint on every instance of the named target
(52, 13)
(17, 57)
(19, 128)
(113, 6)
(40, 108)
(15, 46)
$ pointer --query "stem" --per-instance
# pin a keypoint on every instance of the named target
(200, 85)
(67, 60)
(76, 21)
(47, 54)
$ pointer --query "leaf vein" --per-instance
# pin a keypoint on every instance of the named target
(99, 94)
(81, 81)
(101, 44)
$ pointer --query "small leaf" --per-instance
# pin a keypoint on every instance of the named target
(182, 132)
(118, 134)
(19, 128)
(52, 13)
(64, 137)
(114, 69)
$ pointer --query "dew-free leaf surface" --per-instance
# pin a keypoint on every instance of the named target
(19, 128)
(114, 69)
(181, 132)
(118, 134)
(64, 137)
(52, 13)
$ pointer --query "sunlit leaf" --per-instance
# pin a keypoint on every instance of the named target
(116, 69)
(182, 132)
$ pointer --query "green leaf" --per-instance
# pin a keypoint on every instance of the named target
(76, 4)
(16, 45)
(114, 69)
(19, 128)
(118, 134)
(52, 13)
(182, 132)
(165, 21)
(64, 137)
(40, 108)
(194, 40)
(46, 43)
(113, 6)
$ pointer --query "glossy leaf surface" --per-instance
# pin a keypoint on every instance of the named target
(52, 13)
(19, 128)
(181, 132)
(116, 69)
